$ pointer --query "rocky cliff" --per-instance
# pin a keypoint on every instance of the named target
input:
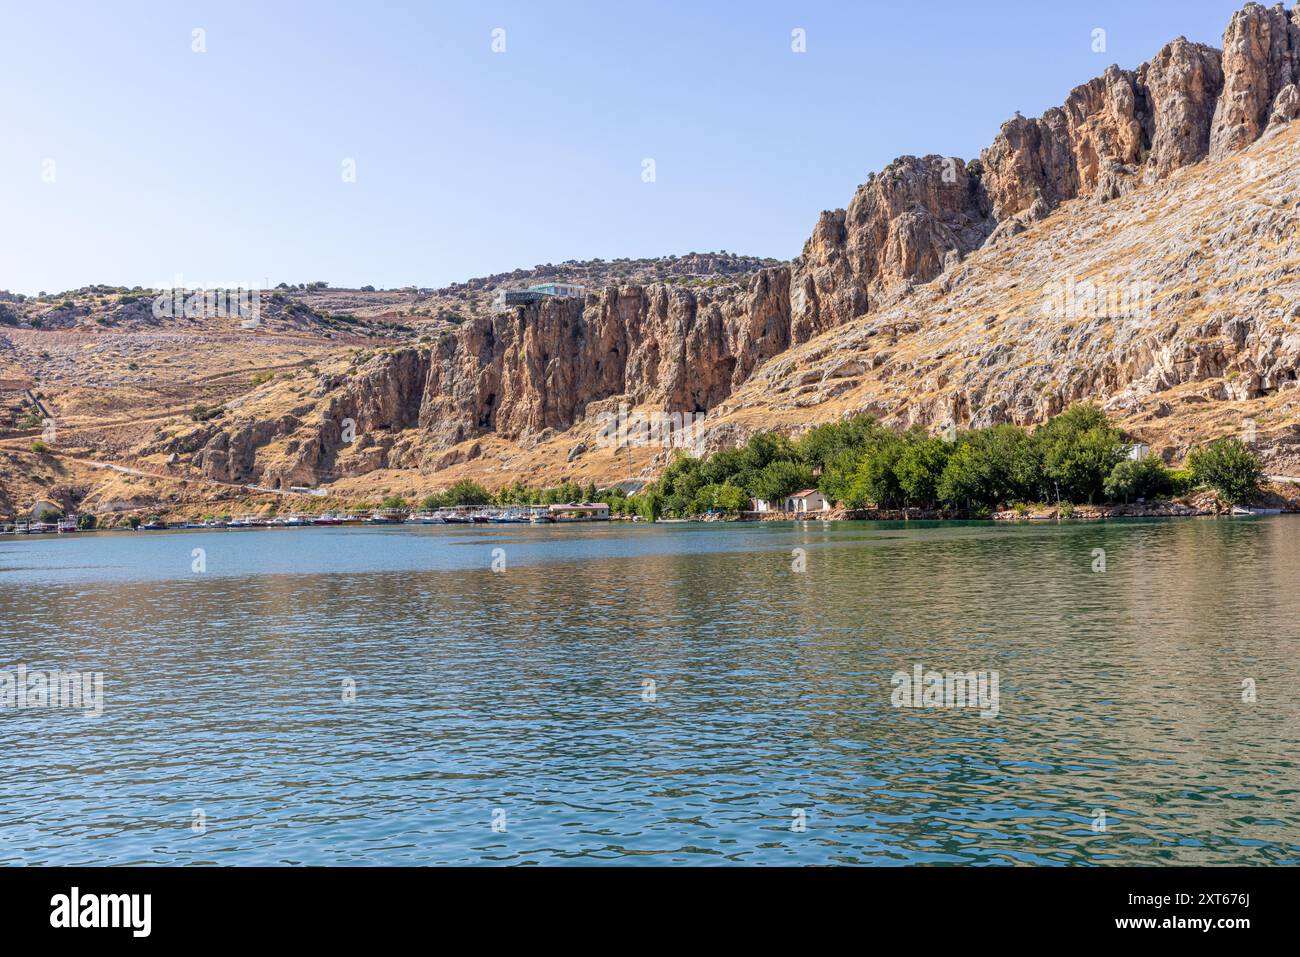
(537, 370)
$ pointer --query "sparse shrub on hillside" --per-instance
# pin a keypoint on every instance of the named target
(202, 413)
(259, 378)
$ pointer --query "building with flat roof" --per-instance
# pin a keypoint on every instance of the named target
(505, 298)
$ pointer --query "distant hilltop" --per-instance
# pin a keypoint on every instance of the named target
(316, 304)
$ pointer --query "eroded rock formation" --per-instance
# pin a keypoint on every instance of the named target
(543, 367)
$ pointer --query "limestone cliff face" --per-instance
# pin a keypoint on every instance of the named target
(1069, 150)
(1189, 102)
(539, 367)
(1183, 85)
(544, 367)
(1261, 54)
(904, 226)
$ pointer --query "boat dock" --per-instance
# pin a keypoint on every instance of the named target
(451, 515)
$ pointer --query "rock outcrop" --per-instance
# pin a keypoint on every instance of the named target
(1183, 84)
(1261, 51)
(540, 368)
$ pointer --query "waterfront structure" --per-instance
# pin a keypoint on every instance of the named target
(809, 500)
(580, 512)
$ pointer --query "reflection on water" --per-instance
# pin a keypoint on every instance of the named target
(524, 697)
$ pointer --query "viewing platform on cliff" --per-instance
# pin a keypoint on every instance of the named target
(505, 298)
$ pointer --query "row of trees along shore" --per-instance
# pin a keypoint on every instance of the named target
(1078, 457)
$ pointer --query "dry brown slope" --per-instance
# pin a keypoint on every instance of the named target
(1213, 253)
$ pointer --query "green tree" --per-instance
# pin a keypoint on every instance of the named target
(647, 503)
(86, 521)
(875, 481)
(821, 446)
(1228, 467)
(764, 448)
(723, 465)
(731, 498)
(919, 469)
(704, 500)
(967, 479)
(678, 485)
(1079, 450)
(467, 492)
(780, 478)
(1141, 478)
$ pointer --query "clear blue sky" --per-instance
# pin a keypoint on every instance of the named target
(226, 166)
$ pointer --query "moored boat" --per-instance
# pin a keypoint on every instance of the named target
(427, 518)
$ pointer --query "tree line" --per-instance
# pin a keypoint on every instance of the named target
(1078, 457)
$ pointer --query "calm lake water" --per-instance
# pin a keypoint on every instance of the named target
(657, 694)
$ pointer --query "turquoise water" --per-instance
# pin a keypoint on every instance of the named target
(521, 698)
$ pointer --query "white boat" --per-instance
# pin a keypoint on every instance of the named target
(296, 521)
(427, 518)
(67, 525)
(1243, 510)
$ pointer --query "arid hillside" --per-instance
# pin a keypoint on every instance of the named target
(1136, 246)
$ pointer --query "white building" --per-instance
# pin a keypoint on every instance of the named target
(548, 290)
(809, 500)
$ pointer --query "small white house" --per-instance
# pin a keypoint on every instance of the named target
(809, 500)
(1138, 451)
(760, 505)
